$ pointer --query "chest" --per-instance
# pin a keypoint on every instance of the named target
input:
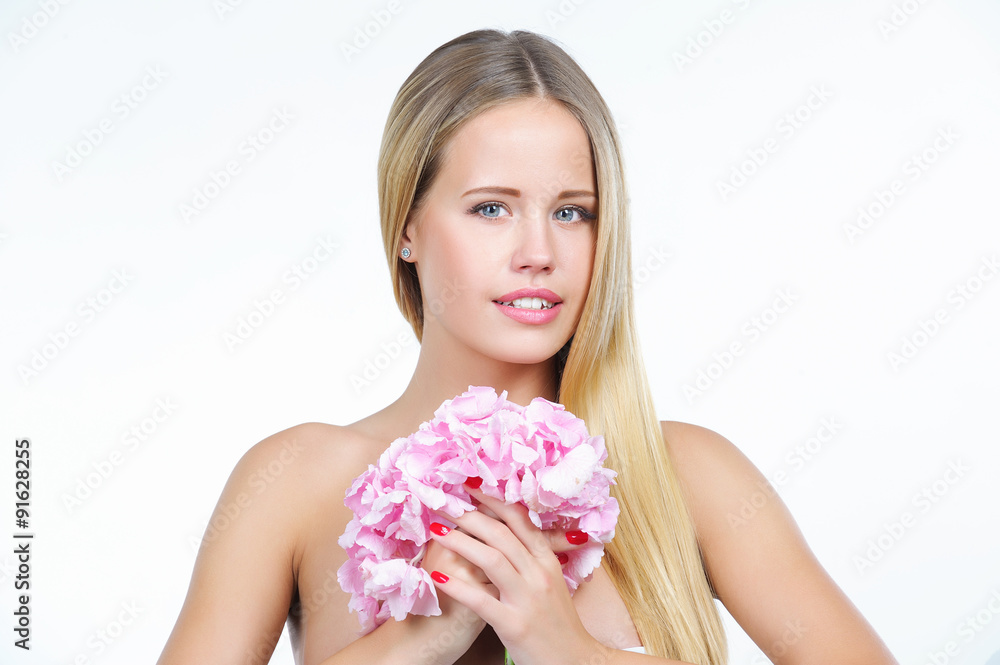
(600, 607)
(603, 612)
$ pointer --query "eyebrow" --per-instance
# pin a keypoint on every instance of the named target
(566, 194)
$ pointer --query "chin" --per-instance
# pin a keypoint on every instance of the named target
(519, 356)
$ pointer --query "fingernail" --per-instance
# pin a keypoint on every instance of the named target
(440, 578)
(439, 529)
(563, 558)
(474, 482)
(577, 537)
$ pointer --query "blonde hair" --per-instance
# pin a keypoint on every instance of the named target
(654, 560)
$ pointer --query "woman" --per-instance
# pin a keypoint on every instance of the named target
(505, 222)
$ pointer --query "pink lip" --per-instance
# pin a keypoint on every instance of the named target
(533, 316)
(544, 294)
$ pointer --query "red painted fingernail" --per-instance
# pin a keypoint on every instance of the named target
(439, 529)
(474, 482)
(563, 558)
(577, 537)
(440, 578)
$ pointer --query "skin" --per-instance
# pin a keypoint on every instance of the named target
(505, 586)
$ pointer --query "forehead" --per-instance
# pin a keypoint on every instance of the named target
(523, 144)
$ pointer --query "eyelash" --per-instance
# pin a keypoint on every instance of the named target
(584, 213)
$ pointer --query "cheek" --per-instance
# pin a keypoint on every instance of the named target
(458, 270)
(582, 253)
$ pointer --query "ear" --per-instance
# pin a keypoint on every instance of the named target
(410, 231)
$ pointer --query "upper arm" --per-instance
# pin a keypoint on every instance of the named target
(243, 579)
(758, 561)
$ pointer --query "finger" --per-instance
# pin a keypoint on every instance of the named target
(537, 541)
(516, 517)
(483, 509)
(481, 599)
(448, 518)
(490, 557)
(474, 483)
(448, 521)
(439, 557)
(531, 567)
(502, 544)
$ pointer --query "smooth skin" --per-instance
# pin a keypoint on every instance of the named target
(277, 559)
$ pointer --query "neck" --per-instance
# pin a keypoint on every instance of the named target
(444, 372)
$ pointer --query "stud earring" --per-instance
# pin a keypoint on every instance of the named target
(406, 252)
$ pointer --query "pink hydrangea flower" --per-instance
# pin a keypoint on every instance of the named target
(539, 455)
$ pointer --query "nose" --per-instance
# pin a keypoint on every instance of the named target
(534, 250)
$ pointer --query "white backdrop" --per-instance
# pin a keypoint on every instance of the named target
(816, 242)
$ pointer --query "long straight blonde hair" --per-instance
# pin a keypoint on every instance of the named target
(654, 560)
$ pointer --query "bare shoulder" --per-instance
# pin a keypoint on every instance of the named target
(246, 574)
(311, 441)
(303, 450)
(697, 451)
(287, 458)
(758, 561)
(715, 475)
(307, 465)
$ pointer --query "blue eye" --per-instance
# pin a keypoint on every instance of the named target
(491, 206)
(584, 215)
(492, 210)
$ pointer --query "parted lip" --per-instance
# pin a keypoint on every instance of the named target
(544, 294)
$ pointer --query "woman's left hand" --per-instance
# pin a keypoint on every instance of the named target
(534, 615)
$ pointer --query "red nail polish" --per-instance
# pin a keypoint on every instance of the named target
(577, 537)
(439, 529)
(440, 578)
(474, 482)
(563, 558)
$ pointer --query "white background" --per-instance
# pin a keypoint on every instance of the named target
(685, 126)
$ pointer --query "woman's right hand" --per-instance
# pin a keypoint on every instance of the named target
(523, 595)
(457, 628)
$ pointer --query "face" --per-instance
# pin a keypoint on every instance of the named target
(513, 208)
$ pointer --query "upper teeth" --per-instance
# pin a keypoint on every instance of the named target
(529, 303)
